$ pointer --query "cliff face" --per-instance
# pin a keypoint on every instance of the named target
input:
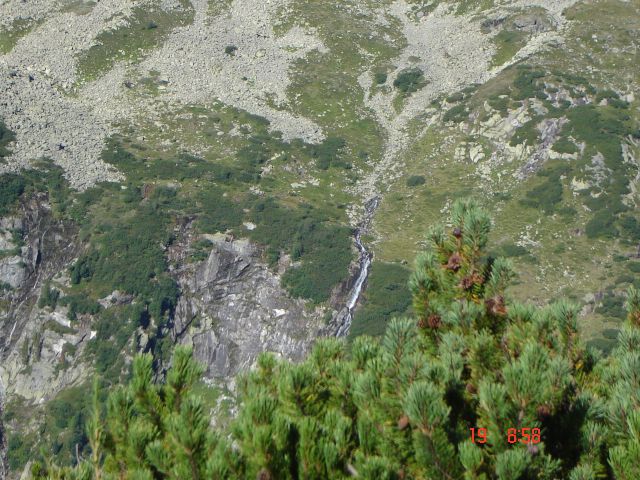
(232, 307)
(36, 247)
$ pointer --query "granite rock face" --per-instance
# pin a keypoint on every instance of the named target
(39, 247)
(232, 308)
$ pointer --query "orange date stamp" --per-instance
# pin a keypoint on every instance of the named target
(514, 435)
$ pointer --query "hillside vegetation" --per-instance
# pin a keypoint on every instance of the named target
(541, 405)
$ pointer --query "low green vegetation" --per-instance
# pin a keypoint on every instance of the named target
(308, 235)
(6, 137)
(380, 77)
(145, 29)
(456, 114)
(48, 297)
(473, 385)
(62, 432)
(386, 296)
(11, 188)
(46, 177)
(565, 145)
(327, 153)
(10, 35)
(415, 180)
(548, 194)
(410, 80)
(527, 133)
(508, 43)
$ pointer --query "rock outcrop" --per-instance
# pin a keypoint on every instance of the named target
(232, 308)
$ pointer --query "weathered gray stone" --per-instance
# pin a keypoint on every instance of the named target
(242, 308)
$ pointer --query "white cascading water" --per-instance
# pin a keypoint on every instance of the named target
(365, 262)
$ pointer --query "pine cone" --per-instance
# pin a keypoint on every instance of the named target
(471, 388)
(495, 306)
(533, 449)
(434, 321)
(466, 283)
(543, 411)
(457, 232)
(422, 323)
(403, 422)
(477, 278)
(263, 475)
(454, 263)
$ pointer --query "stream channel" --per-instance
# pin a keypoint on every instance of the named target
(345, 316)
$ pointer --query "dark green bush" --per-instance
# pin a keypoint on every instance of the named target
(380, 77)
(634, 267)
(6, 137)
(219, 214)
(230, 49)
(612, 306)
(602, 225)
(527, 133)
(410, 80)
(625, 278)
(18, 452)
(630, 227)
(545, 196)
(564, 145)
(601, 128)
(48, 297)
(326, 254)
(568, 212)
(617, 103)
(65, 418)
(323, 247)
(327, 153)
(385, 297)
(80, 304)
(415, 180)
(11, 187)
(129, 256)
(456, 97)
(456, 114)
(526, 84)
(499, 103)
(608, 94)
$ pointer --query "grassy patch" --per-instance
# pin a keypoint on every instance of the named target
(6, 137)
(79, 7)
(146, 29)
(507, 43)
(564, 145)
(547, 195)
(18, 29)
(12, 186)
(308, 235)
(385, 297)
